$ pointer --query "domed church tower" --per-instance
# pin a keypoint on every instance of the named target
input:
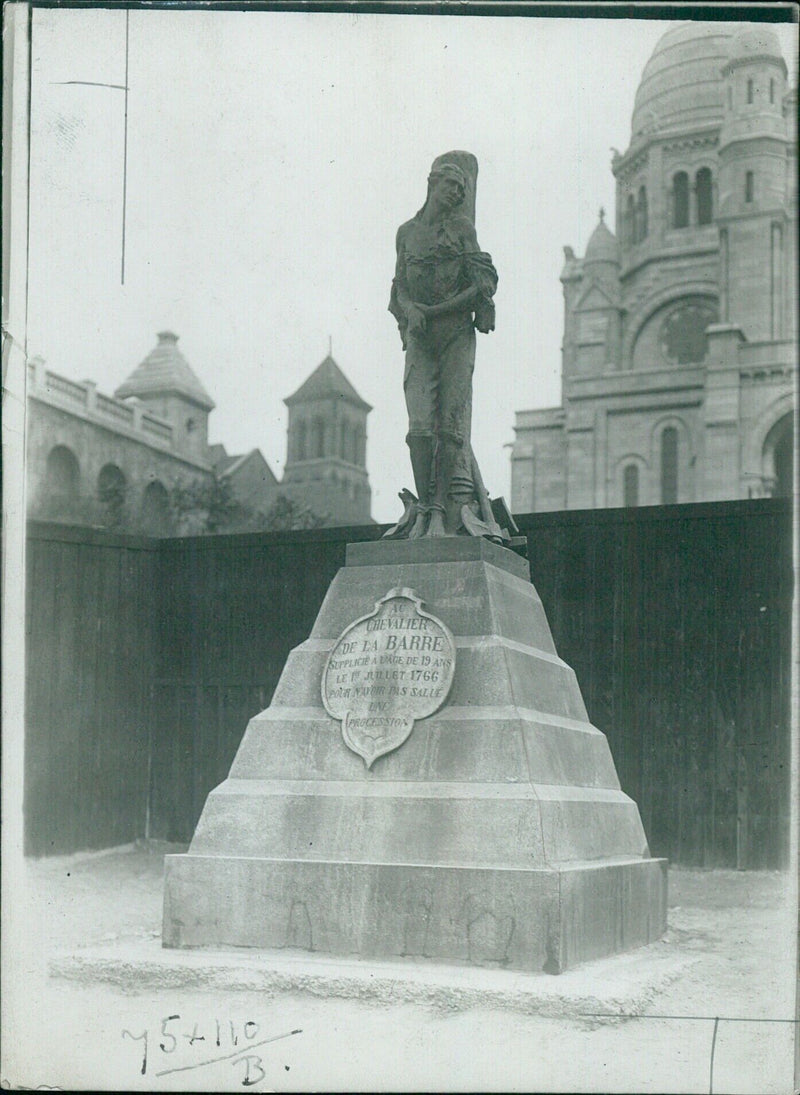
(679, 351)
(755, 153)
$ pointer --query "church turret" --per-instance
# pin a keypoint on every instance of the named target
(166, 384)
(602, 251)
(591, 299)
(755, 84)
(326, 447)
(753, 148)
(571, 278)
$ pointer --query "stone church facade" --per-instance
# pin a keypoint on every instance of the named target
(680, 331)
(94, 459)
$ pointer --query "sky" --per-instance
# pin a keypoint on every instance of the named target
(271, 157)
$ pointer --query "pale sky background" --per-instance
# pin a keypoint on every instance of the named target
(271, 158)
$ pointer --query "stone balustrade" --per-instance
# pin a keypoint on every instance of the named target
(84, 397)
(766, 354)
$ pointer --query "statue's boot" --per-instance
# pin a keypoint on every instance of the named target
(420, 526)
(452, 517)
(460, 494)
(436, 524)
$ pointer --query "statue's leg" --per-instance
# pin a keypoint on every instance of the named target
(454, 487)
(441, 520)
(420, 392)
(420, 447)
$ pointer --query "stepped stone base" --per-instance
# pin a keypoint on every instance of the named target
(496, 834)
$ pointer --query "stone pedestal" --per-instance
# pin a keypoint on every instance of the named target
(496, 834)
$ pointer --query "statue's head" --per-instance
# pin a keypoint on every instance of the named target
(449, 178)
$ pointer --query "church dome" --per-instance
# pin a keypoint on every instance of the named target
(682, 85)
(602, 246)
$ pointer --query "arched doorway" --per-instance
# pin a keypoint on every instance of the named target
(155, 509)
(63, 472)
(111, 492)
(630, 485)
(778, 458)
(61, 486)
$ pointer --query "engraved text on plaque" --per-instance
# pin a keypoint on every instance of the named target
(386, 670)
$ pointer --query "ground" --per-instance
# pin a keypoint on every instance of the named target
(92, 996)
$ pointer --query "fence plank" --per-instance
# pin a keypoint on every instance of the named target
(89, 662)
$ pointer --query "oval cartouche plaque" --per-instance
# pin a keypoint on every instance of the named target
(386, 670)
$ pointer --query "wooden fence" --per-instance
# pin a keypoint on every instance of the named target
(89, 659)
(676, 620)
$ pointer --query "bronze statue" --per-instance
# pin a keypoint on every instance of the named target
(442, 291)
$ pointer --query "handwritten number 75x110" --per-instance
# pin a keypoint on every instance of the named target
(204, 1040)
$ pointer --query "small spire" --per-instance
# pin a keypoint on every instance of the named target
(330, 346)
(602, 214)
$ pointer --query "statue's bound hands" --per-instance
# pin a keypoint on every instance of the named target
(416, 319)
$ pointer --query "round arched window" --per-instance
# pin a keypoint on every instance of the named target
(683, 332)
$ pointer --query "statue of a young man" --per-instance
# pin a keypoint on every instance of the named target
(442, 291)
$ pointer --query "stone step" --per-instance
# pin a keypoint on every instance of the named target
(521, 919)
(470, 598)
(489, 670)
(474, 824)
(467, 744)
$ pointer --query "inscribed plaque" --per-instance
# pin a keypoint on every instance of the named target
(386, 670)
